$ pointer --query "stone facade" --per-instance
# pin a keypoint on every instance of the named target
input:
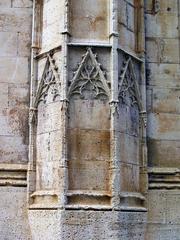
(90, 124)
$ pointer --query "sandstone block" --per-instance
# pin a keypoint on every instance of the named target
(13, 218)
(89, 23)
(8, 44)
(5, 3)
(126, 38)
(156, 206)
(163, 153)
(162, 25)
(166, 100)
(14, 70)
(164, 126)
(165, 5)
(13, 149)
(3, 97)
(24, 44)
(163, 75)
(161, 50)
(22, 3)
(15, 20)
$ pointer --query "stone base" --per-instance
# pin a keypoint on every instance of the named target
(87, 225)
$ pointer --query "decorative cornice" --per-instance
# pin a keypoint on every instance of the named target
(164, 178)
(13, 175)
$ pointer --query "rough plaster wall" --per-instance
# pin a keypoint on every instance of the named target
(162, 48)
(15, 42)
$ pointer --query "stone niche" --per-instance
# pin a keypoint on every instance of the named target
(129, 129)
(46, 122)
(88, 131)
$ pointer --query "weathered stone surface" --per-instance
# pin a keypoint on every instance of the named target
(163, 25)
(24, 44)
(14, 70)
(165, 100)
(13, 219)
(15, 20)
(163, 215)
(162, 50)
(89, 23)
(51, 26)
(8, 44)
(22, 3)
(165, 6)
(14, 103)
(160, 126)
(87, 225)
(163, 75)
(5, 3)
(163, 153)
(162, 31)
(86, 133)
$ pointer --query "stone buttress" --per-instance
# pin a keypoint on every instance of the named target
(87, 175)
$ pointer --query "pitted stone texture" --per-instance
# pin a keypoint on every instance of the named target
(163, 216)
(86, 225)
(13, 218)
(45, 224)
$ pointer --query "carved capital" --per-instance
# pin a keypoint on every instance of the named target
(114, 107)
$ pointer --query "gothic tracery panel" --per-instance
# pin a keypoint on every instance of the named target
(129, 109)
(89, 128)
(48, 126)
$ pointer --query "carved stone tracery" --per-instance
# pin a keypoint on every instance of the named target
(48, 89)
(89, 79)
(128, 86)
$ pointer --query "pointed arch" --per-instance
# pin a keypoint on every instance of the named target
(89, 77)
(128, 86)
(49, 83)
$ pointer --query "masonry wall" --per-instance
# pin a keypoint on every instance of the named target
(163, 91)
(15, 42)
(162, 32)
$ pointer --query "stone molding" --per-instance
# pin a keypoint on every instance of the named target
(13, 175)
(164, 178)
